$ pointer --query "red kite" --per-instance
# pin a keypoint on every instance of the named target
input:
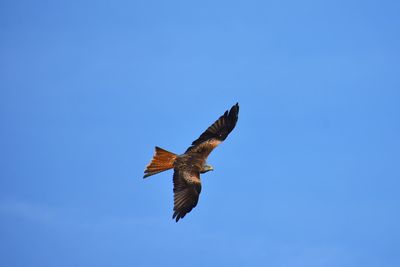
(188, 166)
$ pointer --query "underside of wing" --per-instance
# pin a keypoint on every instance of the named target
(187, 188)
(217, 132)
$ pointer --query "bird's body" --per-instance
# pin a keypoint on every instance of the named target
(188, 166)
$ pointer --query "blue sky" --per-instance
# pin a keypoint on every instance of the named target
(309, 177)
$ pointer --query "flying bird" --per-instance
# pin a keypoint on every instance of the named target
(188, 166)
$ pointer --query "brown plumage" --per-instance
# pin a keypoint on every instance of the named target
(188, 166)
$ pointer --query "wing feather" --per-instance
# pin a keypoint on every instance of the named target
(216, 133)
(187, 188)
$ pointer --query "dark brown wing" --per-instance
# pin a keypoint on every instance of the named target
(216, 133)
(187, 188)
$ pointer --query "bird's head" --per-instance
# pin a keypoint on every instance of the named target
(207, 168)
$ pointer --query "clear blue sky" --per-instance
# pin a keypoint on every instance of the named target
(309, 177)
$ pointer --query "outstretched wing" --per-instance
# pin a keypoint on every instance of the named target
(187, 188)
(216, 133)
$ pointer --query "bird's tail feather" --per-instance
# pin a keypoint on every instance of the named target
(162, 160)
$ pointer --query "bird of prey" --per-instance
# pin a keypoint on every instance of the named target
(188, 166)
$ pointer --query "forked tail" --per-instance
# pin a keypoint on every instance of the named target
(162, 160)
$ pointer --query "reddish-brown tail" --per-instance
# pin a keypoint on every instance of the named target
(162, 160)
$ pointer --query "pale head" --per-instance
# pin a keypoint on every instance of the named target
(206, 168)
